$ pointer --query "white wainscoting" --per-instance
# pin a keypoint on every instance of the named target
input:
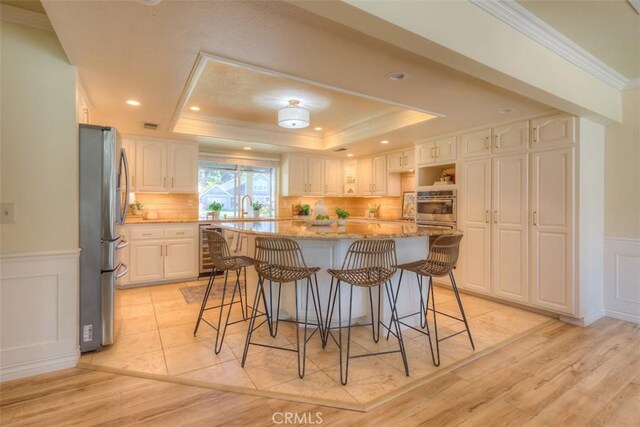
(622, 278)
(38, 313)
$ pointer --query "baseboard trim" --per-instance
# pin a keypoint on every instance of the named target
(36, 367)
(585, 321)
(623, 316)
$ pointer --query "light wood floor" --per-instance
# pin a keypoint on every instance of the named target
(561, 375)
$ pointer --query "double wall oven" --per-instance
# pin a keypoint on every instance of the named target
(436, 208)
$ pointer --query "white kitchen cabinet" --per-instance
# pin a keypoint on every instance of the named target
(552, 229)
(147, 261)
(475, 222)
(333, 176)
(379, 175)
(129, 146)
(401, 161)
(439, 150)
(373, 179)
(510, 227)
(163, 252)
(151, 165)
(365, 178)
(179, 258)
(475, 144)
(302, 176)
(512, 138)
(183, 168)
(162, 166)
(553, 131)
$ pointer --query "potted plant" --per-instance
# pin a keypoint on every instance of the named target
(257, 206)
(342, 215)
(215, 209)
(136, 207)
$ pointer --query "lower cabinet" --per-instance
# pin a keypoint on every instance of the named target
(163, 253)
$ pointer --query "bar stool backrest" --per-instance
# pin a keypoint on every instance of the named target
(278, 251)
(443, 254)
(372, 253)
(218, 249)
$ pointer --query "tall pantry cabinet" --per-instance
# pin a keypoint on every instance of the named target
(523, 221)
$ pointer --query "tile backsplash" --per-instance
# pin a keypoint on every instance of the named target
(170, 206)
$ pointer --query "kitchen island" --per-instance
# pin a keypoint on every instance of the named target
(326, 247)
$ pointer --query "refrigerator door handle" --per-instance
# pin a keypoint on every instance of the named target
(123, 244)
(123, 273)
(124, 161)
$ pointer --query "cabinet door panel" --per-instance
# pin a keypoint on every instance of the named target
(333, 177)
(350, 174)
(315, 176)
(475, 144)
(554, 131)
(510, 207)
(129, 145)
(151, 165)
(183, 168)
(147, 258)
(395, 161)
(410, 159)
(511, 138)
(380, 175)
(475, 205)
(552, 278)
(365, 170)
(446, 149)
(427, 152)
(180, 259)
(296, 176)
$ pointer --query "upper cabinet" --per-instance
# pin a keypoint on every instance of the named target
(350, 177)
(440, 150)
(333, 176)
(162, 166)
(373, 179)
(401, 161)
(510, 138)
(303, 176)
(553, 131)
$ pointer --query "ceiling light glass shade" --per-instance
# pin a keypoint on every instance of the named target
(293, 116)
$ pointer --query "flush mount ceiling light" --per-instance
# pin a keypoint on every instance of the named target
(293, 116)
(133, 102)
(397, 76)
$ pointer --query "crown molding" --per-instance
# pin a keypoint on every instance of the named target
(634, 83)
(25, 17)
(511, 13)
(635, 4)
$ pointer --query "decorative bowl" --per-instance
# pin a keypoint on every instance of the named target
(321, 222)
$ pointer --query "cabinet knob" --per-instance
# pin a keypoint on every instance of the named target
(495, 216)
(535, 218)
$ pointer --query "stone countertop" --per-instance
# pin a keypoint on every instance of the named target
(137, 220)
(351, 230)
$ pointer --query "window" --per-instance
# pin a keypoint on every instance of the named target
(227, 183)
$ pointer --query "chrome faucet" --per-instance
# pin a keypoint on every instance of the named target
(242, 211)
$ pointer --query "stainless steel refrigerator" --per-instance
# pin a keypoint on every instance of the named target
(104, 193)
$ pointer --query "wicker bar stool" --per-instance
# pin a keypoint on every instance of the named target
(279, 260)
(369, 263)
(224, 262)
(440, 262)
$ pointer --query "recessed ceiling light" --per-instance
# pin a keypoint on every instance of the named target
(384, 141)
(194, 108)
(247, 148)
(349, 155)
(133, 102)
(317, 128)
(398, 76)
(506, 110)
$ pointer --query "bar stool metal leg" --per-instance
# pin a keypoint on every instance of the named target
(252, 319)
(205, 299)
(394, 319)
(464, 317)
(436, 360)
(223, 326)
(375, 319)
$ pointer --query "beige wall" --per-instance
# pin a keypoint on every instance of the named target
(622, 171)
(38, 147)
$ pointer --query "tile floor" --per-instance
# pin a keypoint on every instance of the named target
(154, 335)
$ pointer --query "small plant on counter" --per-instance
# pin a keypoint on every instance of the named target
(136, 207)
(343, 214)
(216, 206)
(303, 210)
(257, 206)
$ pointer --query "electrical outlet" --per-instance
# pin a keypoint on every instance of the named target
(190, 202)
(87, 333)
(7, 212)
